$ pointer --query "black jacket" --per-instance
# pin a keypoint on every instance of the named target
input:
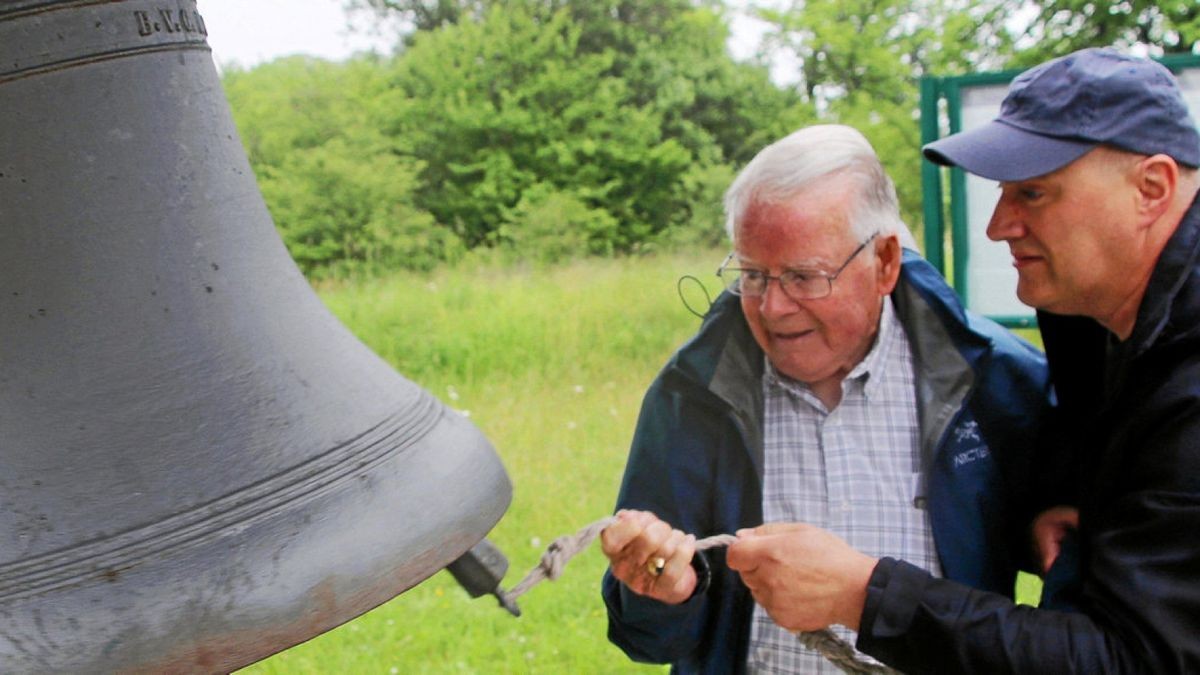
(1130, 417)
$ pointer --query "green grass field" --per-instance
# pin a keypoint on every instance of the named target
(551, 365)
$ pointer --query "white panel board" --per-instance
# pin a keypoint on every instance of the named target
(991, 278)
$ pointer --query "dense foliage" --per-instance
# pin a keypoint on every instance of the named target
(552, 129)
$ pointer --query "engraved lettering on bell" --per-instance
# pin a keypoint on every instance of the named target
(169, 21)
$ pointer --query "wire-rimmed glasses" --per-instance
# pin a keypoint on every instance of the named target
(797, 284)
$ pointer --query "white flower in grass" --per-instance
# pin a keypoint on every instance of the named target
(452, 393)
(578, 389)
(535, 542)
(571, 424)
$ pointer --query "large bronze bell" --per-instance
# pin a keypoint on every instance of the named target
(199, 465)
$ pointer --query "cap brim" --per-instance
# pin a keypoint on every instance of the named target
(1003, 152)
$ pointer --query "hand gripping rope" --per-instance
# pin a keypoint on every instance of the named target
(568, 546)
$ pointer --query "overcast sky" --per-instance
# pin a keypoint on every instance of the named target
(250, 32)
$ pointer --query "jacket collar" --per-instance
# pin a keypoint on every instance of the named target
(723, 352)
(945, 349)
(1168, 310)
(727, 361)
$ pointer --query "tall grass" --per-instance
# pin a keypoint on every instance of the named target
(551, 365)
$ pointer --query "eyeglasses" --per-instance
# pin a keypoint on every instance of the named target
(798, 284)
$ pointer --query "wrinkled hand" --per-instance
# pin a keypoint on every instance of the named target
(805, 577)
(635, 541)
(1049, 529)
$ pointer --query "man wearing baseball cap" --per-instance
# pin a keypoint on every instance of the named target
(1097, 161)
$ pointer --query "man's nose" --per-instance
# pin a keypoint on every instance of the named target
(775, 302)
(1006, 221)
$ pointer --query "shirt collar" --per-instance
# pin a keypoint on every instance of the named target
(881, 351)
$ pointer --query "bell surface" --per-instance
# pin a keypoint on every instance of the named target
(199, 465)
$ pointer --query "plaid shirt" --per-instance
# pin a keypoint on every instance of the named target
(853, 470)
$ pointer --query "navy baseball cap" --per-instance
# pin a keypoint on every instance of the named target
(1056, 112)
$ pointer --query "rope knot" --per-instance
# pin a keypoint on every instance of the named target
(553, 560)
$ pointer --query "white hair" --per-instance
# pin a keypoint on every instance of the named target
(803, 158)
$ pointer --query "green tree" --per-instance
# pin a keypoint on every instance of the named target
(674, 57)
(861, 62)
(496, 107)
(623, 107)
(1063, 26)
(621, 120)
(671, 61)
(339, 191)
(670, 53)
(422, 14)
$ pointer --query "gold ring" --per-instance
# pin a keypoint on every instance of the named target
(655, 567)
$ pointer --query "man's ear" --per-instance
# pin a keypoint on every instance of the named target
(1156, 179)
(888, 256)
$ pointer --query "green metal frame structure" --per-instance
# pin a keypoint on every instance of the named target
(936, 91)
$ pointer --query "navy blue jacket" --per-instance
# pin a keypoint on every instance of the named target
(1131, 413)
(696, 462)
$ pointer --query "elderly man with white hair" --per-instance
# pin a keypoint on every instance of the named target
(838, 382)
